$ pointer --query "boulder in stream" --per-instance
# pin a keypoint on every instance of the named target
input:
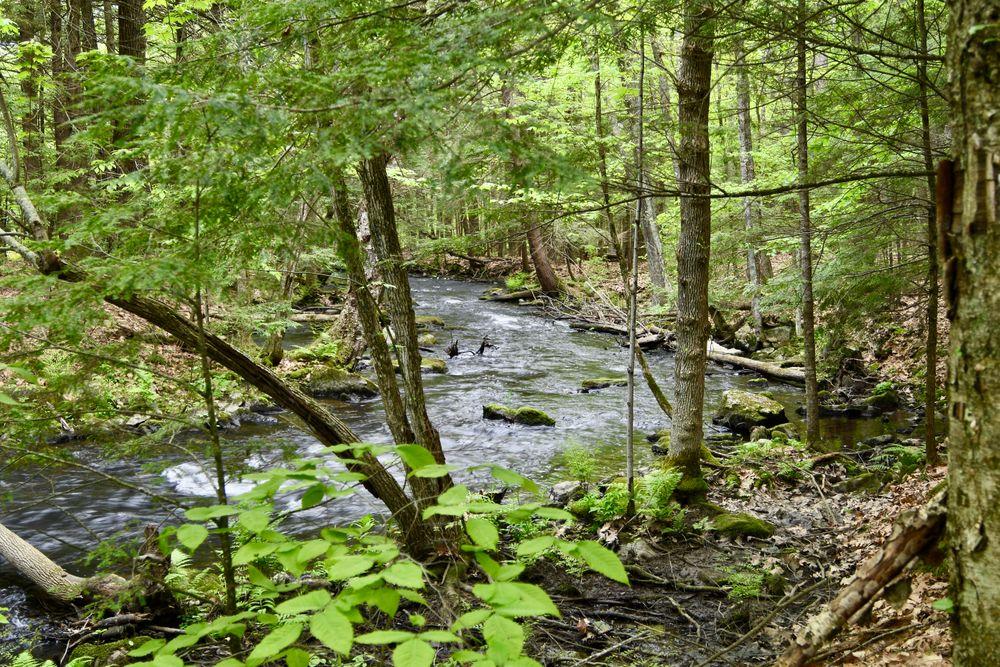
(330, 381)
(524, 415)
(426, 321)
(741, 411)
(603, 383)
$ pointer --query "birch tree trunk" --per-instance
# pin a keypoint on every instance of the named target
(693, 89)
(971, 252)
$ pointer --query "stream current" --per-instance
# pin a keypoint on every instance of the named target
(534, 361)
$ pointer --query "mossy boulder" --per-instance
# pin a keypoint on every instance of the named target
(866, 482)
(740, 523)
(742, 410)
(106, 654)
(427, 339)
(427, 364)
(334, 382)
(883, 401)
(427, 321)
(524, 415)
(603, 383)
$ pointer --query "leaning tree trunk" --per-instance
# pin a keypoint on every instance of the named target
(693, 89)
(56, 582)
(417, 534)
(971, 253)
(748, 174)
(805, 233)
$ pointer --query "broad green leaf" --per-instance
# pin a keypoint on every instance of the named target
(415, 456)
(456, 495)
(313, 496)
(405, 573)
(147, 648)
(414, 653)
(309, 602)
(483, 532)
(432, 471)
(296, 657)
(515, 599)
(504, 637)
(554, 513)
(256, 519)
(210, 512)
(191, 535)
(383, 637)
(535, 545)
(275, 642)
(514, 479)
(602, 560)
(333, 629)
(471, 619)
(251, 551)
(439, 636)
(346, 567)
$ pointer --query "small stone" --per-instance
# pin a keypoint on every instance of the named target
(760, 433)
(879, 440)
(564, 493)
(637, 551)
(740, 523)
(868, 482)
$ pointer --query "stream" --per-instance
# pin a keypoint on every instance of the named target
(535, 361)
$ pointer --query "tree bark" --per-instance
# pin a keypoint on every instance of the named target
(693, 245)
(89, 26)
(602, 162)
(748, 174)
(109, 26)
(389, 253)
(805, 232)
(28, 23)
(56, 582)
(131, 30)
(971, 252)
(930, 381)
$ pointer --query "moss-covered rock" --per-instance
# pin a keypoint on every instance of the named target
(106, 654)
(524, 415)
(603, 383)
(739, 523)
(330, 381)
(741, 411)
(427, 364)
(866, 482)
(884, 401)
(427, 339)
(427, 321)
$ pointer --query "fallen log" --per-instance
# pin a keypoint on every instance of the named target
(310, 318)
(514, 296)
(910, 537)
(796, 375)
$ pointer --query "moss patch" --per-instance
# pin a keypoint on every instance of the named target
(426, 321)
(330, 381)
(603, 383)
(524, 415)
(100, 652)
(742, 524)
(742, 410)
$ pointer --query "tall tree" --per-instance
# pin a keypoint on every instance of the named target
(970, 223)
(805, 228)
(694, 81)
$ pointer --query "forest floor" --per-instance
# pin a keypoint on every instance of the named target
(699, 597)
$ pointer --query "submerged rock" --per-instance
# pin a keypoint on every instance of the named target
(739, 523)
(603, 383)
(525, 415)
(742, 410)
(427, 364)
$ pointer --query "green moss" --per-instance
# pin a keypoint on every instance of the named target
(603, 383)
(433, 365)
(742, 410)
(329, 381)
(99, 652)
(524, 415)
(427, 339)
(885, 401)
(425, 321)
(740, 523)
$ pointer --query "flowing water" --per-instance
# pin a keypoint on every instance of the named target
(534, 361)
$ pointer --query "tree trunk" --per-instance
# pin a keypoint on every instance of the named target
(693, 245)
(89, 26)
(109, 26)
(385, 242)
(805, 233)
(56, 582)
(131, 30)
(971, 254)
(663, 85)
(602, 163)
(930, 381)
(748, 174)
(547, 278)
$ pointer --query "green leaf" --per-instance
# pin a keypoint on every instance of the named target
(602, 560)
(191, 535)
(313, 496)
(471, 619)
(414, 653)
(7, 400)
(309, 602)
(514, 479)
(296, 657)
(251, 551)
(405, 573)
(504, 637)
(415, 456)
(456, 495)
(383, 637)
(431, 471)
(148, 647)
(516, 599)
(346, 567)
(333, 629)
(535, 545)
(947, 605)
(439, 636)
(210, 512)
(274, 642)
(554, 513)
(256, 519)
(483, 532)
